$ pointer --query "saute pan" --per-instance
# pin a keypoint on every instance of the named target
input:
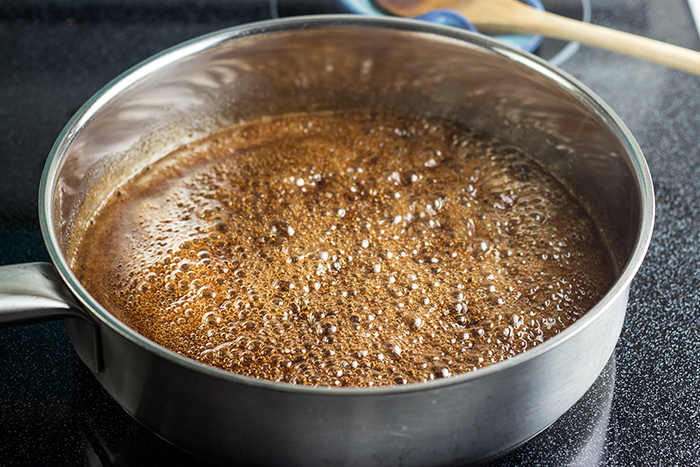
(336, 62)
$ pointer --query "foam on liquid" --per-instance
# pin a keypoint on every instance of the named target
(345, 249)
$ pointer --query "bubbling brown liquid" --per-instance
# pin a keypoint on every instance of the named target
(345, 249)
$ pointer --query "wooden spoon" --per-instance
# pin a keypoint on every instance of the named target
(512, 16)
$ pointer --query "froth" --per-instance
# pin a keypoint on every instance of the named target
(354, 249)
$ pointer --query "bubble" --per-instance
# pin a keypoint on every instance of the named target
(254, 345)
(399, 379)
(211, 318)
(549, 322)
(440, 371)
(414, 321)
(206, 213)
(203, 254)
(207, 355)
(206, 292)
(280, 228)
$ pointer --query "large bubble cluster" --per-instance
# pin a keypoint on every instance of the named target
(355, 249)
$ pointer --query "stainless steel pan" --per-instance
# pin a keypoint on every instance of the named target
(322, 63)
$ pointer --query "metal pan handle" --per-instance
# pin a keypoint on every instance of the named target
(34, 292)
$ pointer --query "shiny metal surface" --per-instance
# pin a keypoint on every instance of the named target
(340, 62)
(34, 292)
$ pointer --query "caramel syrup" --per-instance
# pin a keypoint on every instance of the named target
(345, 249)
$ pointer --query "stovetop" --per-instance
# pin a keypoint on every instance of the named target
(643, 410)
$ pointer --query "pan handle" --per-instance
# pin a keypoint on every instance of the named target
(35, 292)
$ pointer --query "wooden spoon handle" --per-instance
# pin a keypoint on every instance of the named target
(527, 20)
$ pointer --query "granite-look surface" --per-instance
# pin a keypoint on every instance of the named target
(643, 410)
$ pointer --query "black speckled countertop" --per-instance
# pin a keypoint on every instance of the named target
(643, 410)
